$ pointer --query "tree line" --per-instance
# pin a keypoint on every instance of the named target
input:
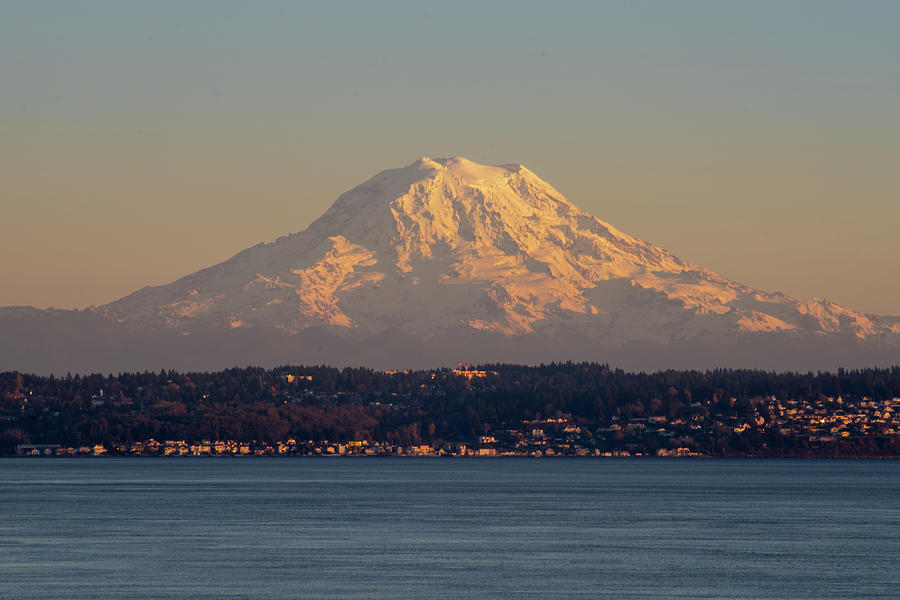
(410, 407)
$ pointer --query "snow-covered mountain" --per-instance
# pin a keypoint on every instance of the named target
(447, 260)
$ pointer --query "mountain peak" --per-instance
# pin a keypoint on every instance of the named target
(446, 248)
(448, 197)
(467, 170)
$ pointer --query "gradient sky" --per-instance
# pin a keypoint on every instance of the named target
(141, 141)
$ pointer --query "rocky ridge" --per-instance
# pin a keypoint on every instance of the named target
(448, 249)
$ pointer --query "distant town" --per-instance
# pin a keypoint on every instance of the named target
(577, 410)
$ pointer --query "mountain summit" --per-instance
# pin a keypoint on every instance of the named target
(444, 260)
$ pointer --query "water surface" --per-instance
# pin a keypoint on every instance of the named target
(142, 528)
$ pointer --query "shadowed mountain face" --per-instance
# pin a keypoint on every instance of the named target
(448, 260)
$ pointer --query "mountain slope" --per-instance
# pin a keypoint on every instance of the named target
(446, 253)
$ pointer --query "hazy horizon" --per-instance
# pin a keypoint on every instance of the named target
(141, 143)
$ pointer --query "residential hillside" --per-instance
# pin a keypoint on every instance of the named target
(560, 409)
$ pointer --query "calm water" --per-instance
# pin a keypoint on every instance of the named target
(448, 528)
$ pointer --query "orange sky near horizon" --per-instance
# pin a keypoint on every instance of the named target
(139, 143)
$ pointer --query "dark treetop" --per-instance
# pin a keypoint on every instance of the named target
(556, 409)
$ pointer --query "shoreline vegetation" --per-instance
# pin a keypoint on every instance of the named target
(556, 410)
